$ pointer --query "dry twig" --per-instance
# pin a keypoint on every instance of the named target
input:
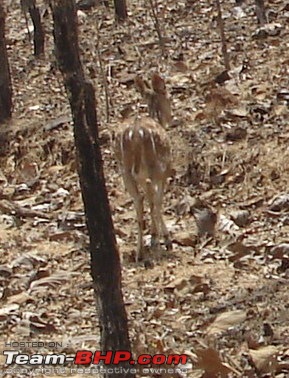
(156, 22)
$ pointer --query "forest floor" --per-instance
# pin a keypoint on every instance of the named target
(222, 300)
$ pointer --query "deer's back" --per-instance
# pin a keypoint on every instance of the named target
(143, 149)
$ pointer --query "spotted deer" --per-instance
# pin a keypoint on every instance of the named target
(143, 151)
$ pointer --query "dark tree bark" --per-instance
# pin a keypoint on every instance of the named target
(5, 78)
(260, 12)
(105, 263)
(24, 9)
(39, 34)
(120, 10)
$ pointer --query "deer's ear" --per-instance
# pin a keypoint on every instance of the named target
(158, 84)
(140, 85)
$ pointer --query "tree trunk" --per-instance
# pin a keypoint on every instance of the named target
(105, 263)
(39, 35)
(223, 36)
(24, 8)
(260, 12)
(5, 78)
(120, 10)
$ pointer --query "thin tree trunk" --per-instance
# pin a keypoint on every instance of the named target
(120, 10)
(24, 9)
(5, 78)
(223, 37)
(105, 263)
(39, 35)
(260, 12)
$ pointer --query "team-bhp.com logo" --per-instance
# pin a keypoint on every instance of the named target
(85, 357)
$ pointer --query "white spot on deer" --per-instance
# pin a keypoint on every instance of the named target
(121, 142)
(130, 134)
(163, 167)
(153, 141)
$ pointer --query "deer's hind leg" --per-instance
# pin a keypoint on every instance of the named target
(163, 231)
(132, 188)
(154, 230)
(159, 229)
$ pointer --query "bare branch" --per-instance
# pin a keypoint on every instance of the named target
(156, 22)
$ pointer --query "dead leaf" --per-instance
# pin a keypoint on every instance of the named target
(279, 203)
(280, 250)
(185, 239)
(265, 358)
(31, 260)
(178, 284)
(52, 281)
(7, 310)
(227, 225)
(236, 134)
(20, 298)
(57, 122)
(226, 320)
(38, 323)
(240, 217)
(5, 271)
(210, 361)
